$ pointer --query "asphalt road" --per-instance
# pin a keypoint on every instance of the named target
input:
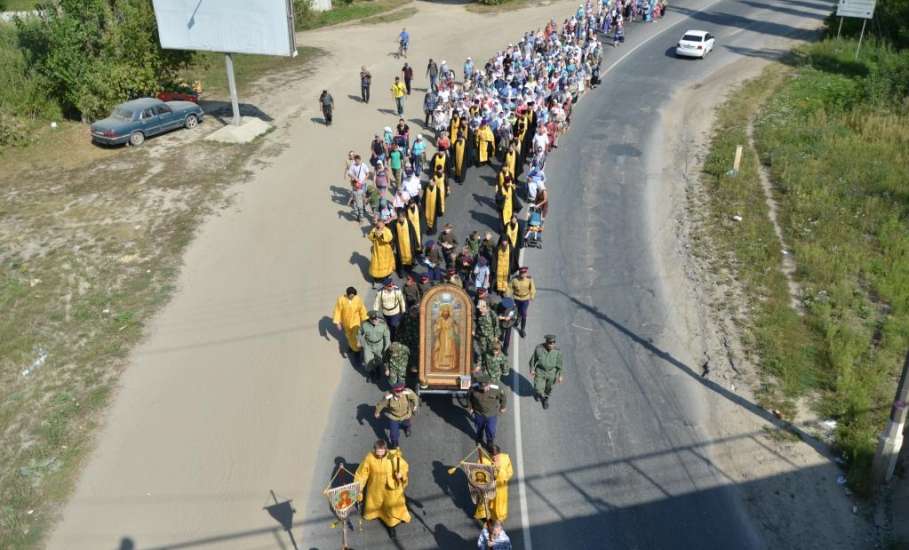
(617, 461)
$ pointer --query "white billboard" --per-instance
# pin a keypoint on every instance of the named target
(229, 26)
(855, 8)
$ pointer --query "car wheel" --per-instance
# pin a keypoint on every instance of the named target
(136, 139)
(192, 121)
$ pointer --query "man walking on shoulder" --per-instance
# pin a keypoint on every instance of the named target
(365, 83)
(398, 91)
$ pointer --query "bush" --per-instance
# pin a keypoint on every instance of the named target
(96, 53)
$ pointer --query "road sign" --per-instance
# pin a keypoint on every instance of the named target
(863, 9)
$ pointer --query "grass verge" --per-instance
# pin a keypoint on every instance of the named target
(506, 5)
(833, 133)
(209, 68)
(91, 241)
(307, 19)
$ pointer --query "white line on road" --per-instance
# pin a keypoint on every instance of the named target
(519, 447)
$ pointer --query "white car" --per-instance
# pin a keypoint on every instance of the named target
(695, 44)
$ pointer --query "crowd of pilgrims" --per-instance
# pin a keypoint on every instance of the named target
(508, 113)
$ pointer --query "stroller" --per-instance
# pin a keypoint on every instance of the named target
(533, 237)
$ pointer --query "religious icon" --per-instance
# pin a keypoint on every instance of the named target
(446, 327)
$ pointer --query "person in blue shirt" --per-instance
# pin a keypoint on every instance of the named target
(417, 154)
(404, 42)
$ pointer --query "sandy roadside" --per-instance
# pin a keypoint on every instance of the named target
(789, 487)
(226, 398)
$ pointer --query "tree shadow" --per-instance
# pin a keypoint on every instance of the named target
(367, 413)
(645, 343)
(362, 262)
(453, 486)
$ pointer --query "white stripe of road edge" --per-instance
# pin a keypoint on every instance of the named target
(519, 447)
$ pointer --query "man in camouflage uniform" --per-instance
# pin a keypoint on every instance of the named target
(375, 339)
(412, 294)
(409, 335)
(425, 284)
(495, 363)
(545, 369)
(396, 359)
(487, 330)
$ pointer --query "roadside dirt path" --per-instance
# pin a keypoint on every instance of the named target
(227, 398)
(789, 485)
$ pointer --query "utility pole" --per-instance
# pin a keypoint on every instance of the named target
(891, 440)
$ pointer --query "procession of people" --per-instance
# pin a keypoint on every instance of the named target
(509, 114)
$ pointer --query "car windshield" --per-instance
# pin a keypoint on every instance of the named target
(122, 114)
(691, 38)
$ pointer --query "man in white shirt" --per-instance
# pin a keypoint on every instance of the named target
(411, 184)
(541, 140)
(358, 173)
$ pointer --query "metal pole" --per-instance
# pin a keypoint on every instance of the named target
(232, 85)
(891, 441)
(839, 29)
(862, 35)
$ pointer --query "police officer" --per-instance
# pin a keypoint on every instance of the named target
(484, 403)
(545, 369)
(396, 358)
(400, 404)
(375, 339)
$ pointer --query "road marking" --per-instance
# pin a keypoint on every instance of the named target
(660, 33)
(519, 446)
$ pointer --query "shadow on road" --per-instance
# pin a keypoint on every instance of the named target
(366, 415)
(453, 486)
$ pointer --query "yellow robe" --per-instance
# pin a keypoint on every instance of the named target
(485, 137)
(413, 214)
(430, 203)
(498, 507)
(511, 158)
(511, 231)
(385, 498)
(503, 267)
(508, 205)
(351, 314)
(405, 251)
(439, 160)
(382, 262)
(501, 181)
(440, 183)
(453, 127)
(459, 147)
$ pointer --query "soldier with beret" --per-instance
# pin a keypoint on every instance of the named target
(545, 369)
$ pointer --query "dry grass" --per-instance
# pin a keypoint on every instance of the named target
(833, 133)
(91, 241)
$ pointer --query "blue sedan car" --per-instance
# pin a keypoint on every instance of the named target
(135, 120)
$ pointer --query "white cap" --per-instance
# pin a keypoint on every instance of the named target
(388, 128)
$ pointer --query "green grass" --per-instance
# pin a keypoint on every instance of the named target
(835, 136)
(17, 5)
(209, 68)
(343, 12)
(90, 252)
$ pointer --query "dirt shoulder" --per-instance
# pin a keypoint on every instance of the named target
(788, 482)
